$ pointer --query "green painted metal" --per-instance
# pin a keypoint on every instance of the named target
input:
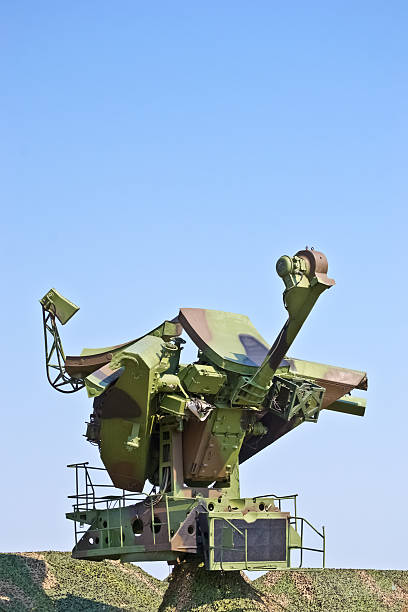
(202, 379)
(185, 428)
(305, 280)
(55, 306)
(57, 303)
(219, 335)
(349, 405)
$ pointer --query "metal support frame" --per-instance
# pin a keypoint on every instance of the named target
(88, 499)
(294, 521)
(53, 349)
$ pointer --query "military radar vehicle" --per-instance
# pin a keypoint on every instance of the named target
(186, 428)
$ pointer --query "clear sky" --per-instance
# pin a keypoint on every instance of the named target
(158, 155)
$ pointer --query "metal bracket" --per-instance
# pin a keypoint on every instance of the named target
(289, 397)
(55, 306)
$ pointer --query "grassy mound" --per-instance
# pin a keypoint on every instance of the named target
(330, 590)
(334, 590)
(193, 588)
(54, 581)
(46, 581)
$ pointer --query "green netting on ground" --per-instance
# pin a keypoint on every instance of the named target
(46, 581)
(335, 590)
(329, 590)
(55, 581)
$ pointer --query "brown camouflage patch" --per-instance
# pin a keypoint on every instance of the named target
(397, 597)
(41, 573)
(13, 596)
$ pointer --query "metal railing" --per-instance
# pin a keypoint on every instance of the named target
(280, 499)
(87, 498)
(293, 521)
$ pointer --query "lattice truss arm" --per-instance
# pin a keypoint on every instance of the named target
(55, 357)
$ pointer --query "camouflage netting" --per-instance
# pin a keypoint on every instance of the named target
(54, 581)
(335, 590)
(192, 588)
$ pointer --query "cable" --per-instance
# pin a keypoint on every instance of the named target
(163, 488)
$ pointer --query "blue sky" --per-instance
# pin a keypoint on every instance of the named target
(161, 155)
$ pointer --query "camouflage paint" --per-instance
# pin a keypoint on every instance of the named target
(185, 427)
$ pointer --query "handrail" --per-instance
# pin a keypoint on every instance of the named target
(280, 498)
(301, 547)
(89, 500)
(277, 496)
(310, 524)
